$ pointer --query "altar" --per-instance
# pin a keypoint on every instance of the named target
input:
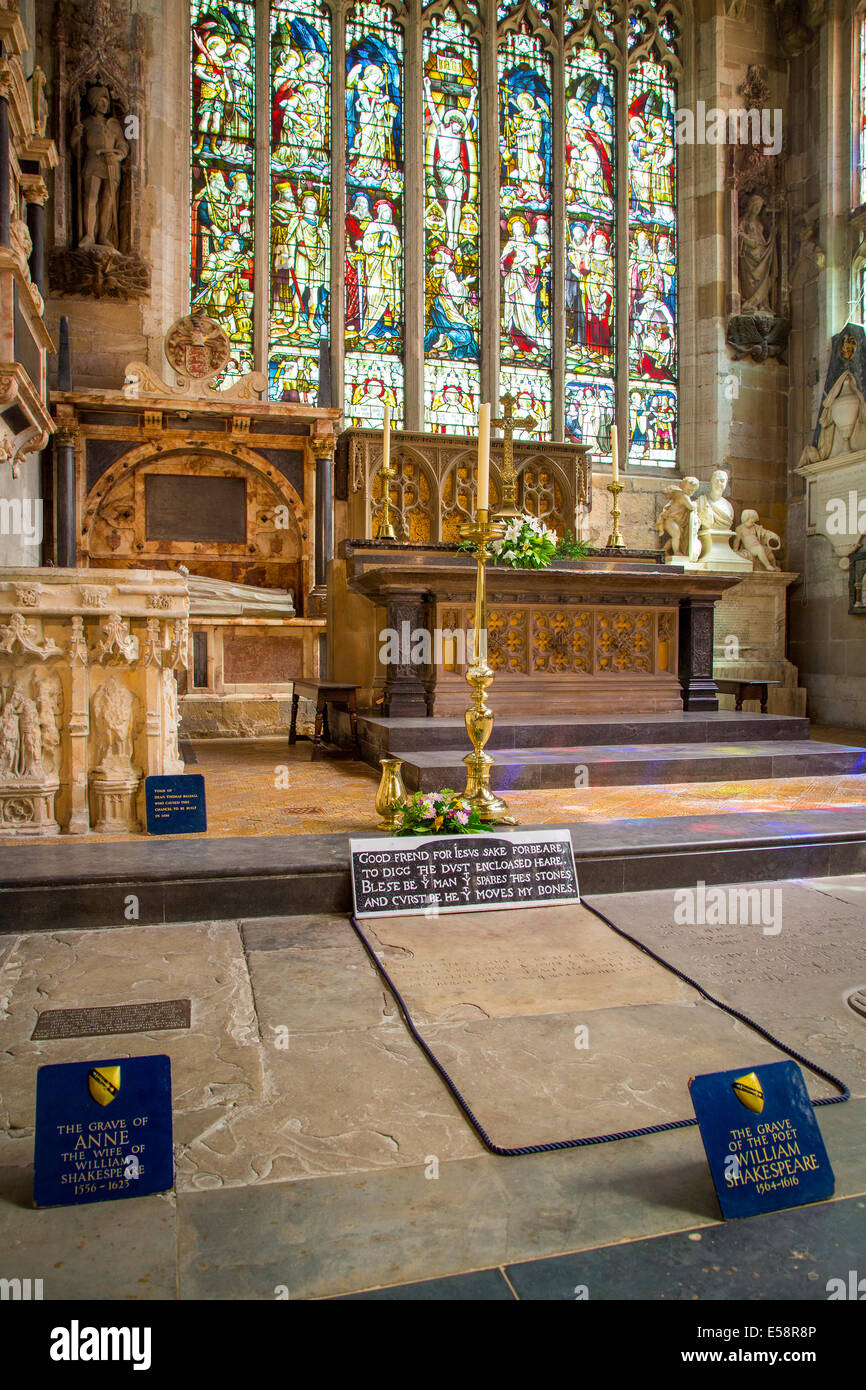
(616, 632)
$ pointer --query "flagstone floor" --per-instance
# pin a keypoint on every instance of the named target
(318, 1154)
(263, 787)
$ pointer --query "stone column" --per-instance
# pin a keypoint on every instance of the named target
(700, 692)
(323, 452)
(408, 685)
(5, 205)
(64, 491)
(36, 194)
(79, 727)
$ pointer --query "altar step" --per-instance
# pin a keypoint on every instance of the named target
(382, 737)
(636, 765)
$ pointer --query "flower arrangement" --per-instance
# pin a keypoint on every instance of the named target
(437, 813)
(530, 545)
(527, 544)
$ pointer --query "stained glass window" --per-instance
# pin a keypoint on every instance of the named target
(223, 172)
(590, 247)
(300, 236)
(652, 353)
(371, 101)
(374, 215)
(452, 227)
(526, 152)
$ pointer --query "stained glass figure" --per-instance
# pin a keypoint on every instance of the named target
(525, 208)
(377, 381)
(589, 413)
(451, 222)
(652, 424)
(531, 392)
(222, 172)
(451, 398)
(652, 264)
(590, 244)
(300, 196)
(374, 202)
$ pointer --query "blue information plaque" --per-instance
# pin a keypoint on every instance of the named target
(103, 1130)
(761, 1138)
(175, 805)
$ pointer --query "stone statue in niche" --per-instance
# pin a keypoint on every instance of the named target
(22, 736)
(757, 541)
(757, 258)
(10, 742)
(49, 703)
(759, 321)
(113, 708)
(100, 147)
(97, 225)
(678, 520)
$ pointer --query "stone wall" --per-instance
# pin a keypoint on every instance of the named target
(826, 642)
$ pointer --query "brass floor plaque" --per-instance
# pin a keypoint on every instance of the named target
(112, 1018)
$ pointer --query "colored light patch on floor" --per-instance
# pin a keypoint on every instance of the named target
(265, 788)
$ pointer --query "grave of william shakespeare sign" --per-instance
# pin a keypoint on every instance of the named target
(103, 1130)
(463, 873)
(761, 1138)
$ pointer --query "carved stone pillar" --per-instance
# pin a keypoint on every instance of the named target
(79, 727)
(64, 491)
(700, 692)
(5, 205)
(323, 452)
(35, 192)
(409, 684)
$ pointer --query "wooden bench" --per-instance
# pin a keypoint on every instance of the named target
(746, 690)
(324, 693)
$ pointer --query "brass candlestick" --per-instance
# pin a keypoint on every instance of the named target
(386, 531)
(615, 539)
(479, 716)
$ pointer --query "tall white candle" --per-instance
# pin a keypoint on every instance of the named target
(386, 438)
(483, 457)
(614, 451)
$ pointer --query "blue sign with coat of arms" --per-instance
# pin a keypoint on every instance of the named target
(761, 1138)
(103, 1130)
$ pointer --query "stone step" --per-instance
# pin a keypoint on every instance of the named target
(379, 736)
(624, 765)
(79, 885)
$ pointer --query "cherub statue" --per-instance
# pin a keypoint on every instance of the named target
(678, 520)
(756, 540)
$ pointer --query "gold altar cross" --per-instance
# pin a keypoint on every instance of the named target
(508, 423)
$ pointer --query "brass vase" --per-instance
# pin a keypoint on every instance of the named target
(391, 794)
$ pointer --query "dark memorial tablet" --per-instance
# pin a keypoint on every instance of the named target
(462, 873)
(103, 1130)
(761, 1138)
(175, 805)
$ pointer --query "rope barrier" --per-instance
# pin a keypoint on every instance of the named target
(587, 1140)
